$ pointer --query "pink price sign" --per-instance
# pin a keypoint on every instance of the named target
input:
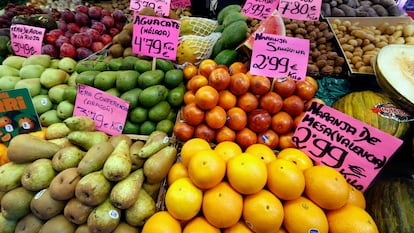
(161, 7)
(155, 36)
(175, 4)
(300, 9)
(357, 150)
(279, 56)
(26, 40)
(259, 9)
(108, 111)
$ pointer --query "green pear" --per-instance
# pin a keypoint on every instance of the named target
(10, 175)
(80, 123)
(61, 142)
(8, 70)
(31, 71)
(83, 229)
(104, 218)
(42, 103)
(56, 93)
(93, 188)
(7, 225)
(15, 204)
(65, 109)
(54, 63)
(57, 130)
(39, 59)
(71, 81)
(52, 77)
(25, 148)
(67, 64)
(32, 84)
(38, 175)
(49, 117)
(59, 223)
(124, 227)
(105, 80)
(44, 206)
(63, 185)
(29, 224)
(124, 193)
(118, 165)
(14, 61)
(156, 167)
(136, 161)
(95, 158)
(76, 211)
(143, 208)
(86, 139)
(8, 82)
(67, 157)
(70, 94)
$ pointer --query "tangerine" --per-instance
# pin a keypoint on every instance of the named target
(177, 170)
(206, 97)
(227, 149)
(293, 105)
(216, 117)
(305, 90)
(205, 132)
(189, 71)
(183, 131)
(3, 154)
(259, 84)
(206, 169)
(298, 157)
(356, 197)
(189, 97)
(351, 218)
(227, 99)
(282, 122)
(269, 138)
(271, 102)
(206, 66)
(239, 227)
(284, 86)
(285, 141)
(196, 82)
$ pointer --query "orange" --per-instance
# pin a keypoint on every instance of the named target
(206, 67)
(302, 216)
(326, 187)
(177, 170)
(3, 154)
(237, 67)
(285, 141)
(305, 90)
(239, 83)
(269, 138)
(246, 137)
(351, 218)
(183, 131)
(263, 211)
(239, 227)
(282, 122)
(216, 117)
(189, 71)
(225, 134)
(196, 82)
(259, 84)
(356, 197)
(219, 78)
(222, 205)
(236, 118)
(161, 221)
(192, 146)
(227, 99)
(227, 149)
(189, 97)
(285, 179)
(206, 97)
(271, 102)
(205, 132)
(200, 225)
(261, 151)
(282, 230)
(297, 156)
(206, 169)
(192, 114)
(248, 102)
(183, 199)
(246, 173)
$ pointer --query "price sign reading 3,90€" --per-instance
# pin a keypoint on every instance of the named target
(155, 36)
(300, 9)
(259, 9)
(26, 40)
(279, 56)
(161, 7)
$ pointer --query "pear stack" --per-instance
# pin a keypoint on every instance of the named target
(78, 179)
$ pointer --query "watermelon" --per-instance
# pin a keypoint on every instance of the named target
(273, 24)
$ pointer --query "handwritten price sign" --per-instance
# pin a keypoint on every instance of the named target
(277, 56)
(26, 40)
(335, 139)
(161, 7)
(109, 112)
(175, 4)
(155, 36)
(259, 9)
(300, 9)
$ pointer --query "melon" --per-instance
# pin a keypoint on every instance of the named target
(394, 70)
(273, 24)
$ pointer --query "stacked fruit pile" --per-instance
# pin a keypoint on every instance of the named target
(227, 189)
(229, 104)
(77, 178)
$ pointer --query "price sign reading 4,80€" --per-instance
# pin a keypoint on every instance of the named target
(26, 40)
(278, 56)
(155, 36)
(259, 9)
(300, 9)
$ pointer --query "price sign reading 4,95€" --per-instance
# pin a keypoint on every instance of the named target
(279, 56)
(300, 9)
(161, 7)
(26, 40)
(155, 36)
(259, 9)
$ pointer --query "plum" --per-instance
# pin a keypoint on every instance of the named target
(52, 36)
(95, 12)
(82, 19)
(60, 40)
(84, 29)
(73, 27)
(97, 46)
(83, 53)
(81, 39)
(119, 25)
(119, 16)
(94, 34)
(106, 39)
(68, 50)
(108, 21)
(50, 50)
(105, 12)
(82, 9)
(67, 16)
(98, 26)
(113, 31)
(63, 25)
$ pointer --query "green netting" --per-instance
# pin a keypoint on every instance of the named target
(331, 89)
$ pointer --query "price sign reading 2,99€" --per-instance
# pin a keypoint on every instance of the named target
(300, 9)
(259, 9)
(279, 56)
(155, 36)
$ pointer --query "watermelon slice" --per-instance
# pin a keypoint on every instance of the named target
(273, 24)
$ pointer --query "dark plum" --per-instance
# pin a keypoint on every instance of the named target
(97, 46)
(108, 21)
(82, 9)
(119, 25)
(67, 16)
(113, 31)
(82, 19)
(119, 16)
(83, 53)
(62, 25)
(95, 12)
(81, 39)
(60, 40)
(98, 26)
(50, 50)
(67, 50)
(105, 12)
(94, 34)
(84, 29)
(73, 27)
(106, 39)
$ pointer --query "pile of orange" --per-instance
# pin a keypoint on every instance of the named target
(221, 102)
(225, 189)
